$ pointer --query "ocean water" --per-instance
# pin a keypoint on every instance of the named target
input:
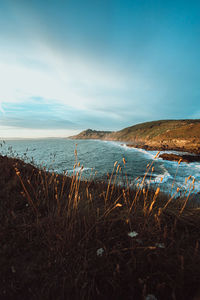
(98, 158)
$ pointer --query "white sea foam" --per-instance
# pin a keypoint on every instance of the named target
(125, 146)
(165, 177)
(113, 143)
(149, 154)
(78, 169)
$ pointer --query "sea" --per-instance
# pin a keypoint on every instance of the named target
(98, 158)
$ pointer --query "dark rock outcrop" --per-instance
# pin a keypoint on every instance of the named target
(183, 158)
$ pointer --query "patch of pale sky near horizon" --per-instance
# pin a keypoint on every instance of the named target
(18, 132)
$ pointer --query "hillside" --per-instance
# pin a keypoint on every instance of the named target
(183, 135)
(91, 134)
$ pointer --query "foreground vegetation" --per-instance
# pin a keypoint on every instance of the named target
(63, 238)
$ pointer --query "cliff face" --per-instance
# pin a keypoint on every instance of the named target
(183, 135)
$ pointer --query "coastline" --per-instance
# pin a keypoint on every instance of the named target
(184, 156)
(187, 155)
(162, 135)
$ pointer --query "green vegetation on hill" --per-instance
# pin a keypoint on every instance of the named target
(63, 238)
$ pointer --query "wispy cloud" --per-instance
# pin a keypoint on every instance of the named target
(102, 65)
(37, 113)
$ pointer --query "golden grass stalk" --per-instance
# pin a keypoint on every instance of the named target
(26, 192)
(109, 183)
(186, 200)
(153, 201)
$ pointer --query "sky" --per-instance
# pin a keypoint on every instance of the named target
(69, 65)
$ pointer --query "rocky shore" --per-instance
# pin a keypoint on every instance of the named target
(188, 158)
(164, 147)
(183, 157)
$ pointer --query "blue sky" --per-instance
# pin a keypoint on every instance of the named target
(66, 66)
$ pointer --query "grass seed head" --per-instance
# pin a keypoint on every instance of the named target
(157, 154)
(157, 191)
(118, 205)
(17, 172)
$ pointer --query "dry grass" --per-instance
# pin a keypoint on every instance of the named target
(64, 238)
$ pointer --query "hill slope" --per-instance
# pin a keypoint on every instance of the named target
(91, 134)
(181, 135)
